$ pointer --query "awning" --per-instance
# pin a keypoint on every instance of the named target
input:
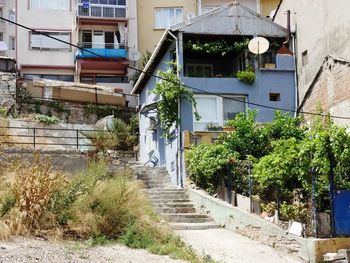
(149, 108)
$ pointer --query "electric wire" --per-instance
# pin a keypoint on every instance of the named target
(164, 79)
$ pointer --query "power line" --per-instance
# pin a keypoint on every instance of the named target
(162, 78)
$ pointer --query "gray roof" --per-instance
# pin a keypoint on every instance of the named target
(231, 19)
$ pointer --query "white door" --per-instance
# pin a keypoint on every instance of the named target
(98, 39)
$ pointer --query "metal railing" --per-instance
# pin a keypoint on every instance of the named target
(100, 45)
(35, 137)
(102, 11)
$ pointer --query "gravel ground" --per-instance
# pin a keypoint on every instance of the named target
(33, 250)
(226, 246)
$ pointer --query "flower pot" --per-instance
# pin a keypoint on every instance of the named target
(229, 129)
(215, 129)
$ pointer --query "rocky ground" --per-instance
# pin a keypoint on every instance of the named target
(34, 250)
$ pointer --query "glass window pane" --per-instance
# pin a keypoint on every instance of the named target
(158, 18)
(179, 16)
(233, 106)
(207, 109)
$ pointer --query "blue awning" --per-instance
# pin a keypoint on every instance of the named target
(101, 52)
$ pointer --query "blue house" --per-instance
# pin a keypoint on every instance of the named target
(212, 75)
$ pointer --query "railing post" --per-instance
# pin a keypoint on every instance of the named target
(78, 139)
(34, 131)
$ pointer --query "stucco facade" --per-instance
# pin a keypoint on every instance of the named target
(279, 80)
(8, 31)
(322, 28)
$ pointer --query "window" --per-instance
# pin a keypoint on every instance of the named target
(275, 96)
(167, 17)
(42, 42)
(52, 4)
(12, 43)
(199, 70)
(1, 13)
(69, 78)
(12, 16)
(217, 110)
(1, 36)
(105, 2)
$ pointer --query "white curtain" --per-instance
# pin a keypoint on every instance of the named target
(122, 31)
(41, 41)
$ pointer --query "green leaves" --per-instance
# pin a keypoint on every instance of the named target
(217, 47)
(171, 91)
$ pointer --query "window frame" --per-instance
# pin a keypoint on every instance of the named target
(69, 6)
(220, 109)
(68, 48)
(173, 9)
(197, 65)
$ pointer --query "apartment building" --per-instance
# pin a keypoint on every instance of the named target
(154, 16)
(106, 29)
(7, 30)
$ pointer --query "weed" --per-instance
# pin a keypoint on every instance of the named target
(48, 120)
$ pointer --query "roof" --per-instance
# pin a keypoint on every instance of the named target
(229, 19)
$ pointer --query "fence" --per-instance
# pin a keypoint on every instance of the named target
(36, 137)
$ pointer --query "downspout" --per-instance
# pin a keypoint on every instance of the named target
(295, 77)
(199, 7)
(178, 150)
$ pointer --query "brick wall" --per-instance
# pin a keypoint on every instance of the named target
(330, 90)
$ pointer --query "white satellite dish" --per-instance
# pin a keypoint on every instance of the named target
(3, 46)
(190, 15)
(134, 55)
(258, 45)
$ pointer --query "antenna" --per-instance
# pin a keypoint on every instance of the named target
(258, 46)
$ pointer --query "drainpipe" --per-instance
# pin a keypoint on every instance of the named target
(179, 182)
(199, 7)
(296, 89)
(288, 26)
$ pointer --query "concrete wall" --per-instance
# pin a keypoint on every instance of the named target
(322, 29)
(254, 227)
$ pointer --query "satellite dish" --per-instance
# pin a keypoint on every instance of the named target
(3, 46)
(258, 45)
(134, 55)
(190, 15)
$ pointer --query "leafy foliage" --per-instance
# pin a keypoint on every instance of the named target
(171, 91)
(216, 47)
(46, 119)
(247, 76)
(205, 161)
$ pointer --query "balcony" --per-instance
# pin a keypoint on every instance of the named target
(104, 50)
(102, 11)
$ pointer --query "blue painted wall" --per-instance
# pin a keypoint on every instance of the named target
(152, 141)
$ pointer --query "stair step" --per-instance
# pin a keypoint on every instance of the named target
(194, 226)
(173, 205)
(186, 218)
(167, 201)
(174, 210)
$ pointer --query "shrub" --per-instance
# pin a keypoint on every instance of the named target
(247, 76)
(204, 162)
(101, 140)
(294, 212)
(7, 204)
(46, 119)
(3, 112)
(35, 184)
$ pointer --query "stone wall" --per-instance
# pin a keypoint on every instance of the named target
(7, 89)
(330, 90)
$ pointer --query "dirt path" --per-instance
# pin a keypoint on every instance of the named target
(30, 250)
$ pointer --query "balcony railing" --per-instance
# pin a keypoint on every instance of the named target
(102, 11)
(103, 50)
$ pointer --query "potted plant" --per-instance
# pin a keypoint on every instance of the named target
(214, 127)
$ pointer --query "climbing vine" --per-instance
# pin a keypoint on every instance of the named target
(217, 47)
(171, 91)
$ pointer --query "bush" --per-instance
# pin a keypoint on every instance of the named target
(46, 119)
(101, 140)
(294, 212)
(247, 76)
(204, 162)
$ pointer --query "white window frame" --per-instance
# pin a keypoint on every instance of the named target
(220, 109)
(12, 15)
(64, 48)
(162, 9)
(42, 5)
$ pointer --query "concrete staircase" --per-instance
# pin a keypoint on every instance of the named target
(173, 204)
